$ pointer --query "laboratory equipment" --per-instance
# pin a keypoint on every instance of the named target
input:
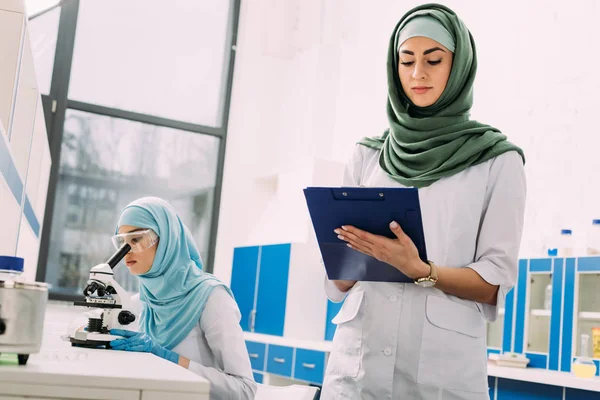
(22, 310)
(514, 360)
(111, 304)
(583, 366)
(548, 297)
(596, 342)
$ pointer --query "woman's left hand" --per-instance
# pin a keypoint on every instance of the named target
(141, 342)
(401, 253)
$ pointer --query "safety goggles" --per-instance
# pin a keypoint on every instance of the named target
(138, 240)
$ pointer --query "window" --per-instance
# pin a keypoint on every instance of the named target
(108, 162)
(138, 108)
(166, 61)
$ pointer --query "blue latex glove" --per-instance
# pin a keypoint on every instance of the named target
(139, 341)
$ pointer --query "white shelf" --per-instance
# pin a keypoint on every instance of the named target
(592, 316)
(540, 313)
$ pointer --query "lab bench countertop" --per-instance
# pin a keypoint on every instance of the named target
(61, 371)
(534, 375)
(317, 345)
(544, 376)
(79, 373)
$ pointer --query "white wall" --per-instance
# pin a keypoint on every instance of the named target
(24, 152)
(310, 81)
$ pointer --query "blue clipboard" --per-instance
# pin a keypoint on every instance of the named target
(369, 209)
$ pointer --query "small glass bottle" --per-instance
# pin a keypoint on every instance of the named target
(583, 366)
(566, 243)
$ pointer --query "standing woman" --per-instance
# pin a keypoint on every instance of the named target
(428, 340)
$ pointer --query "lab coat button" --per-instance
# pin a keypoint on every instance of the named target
(387, 351)
(393, 298)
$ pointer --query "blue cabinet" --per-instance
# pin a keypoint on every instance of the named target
(574, 309)
(272, 289)
(309, 365)
(332, 310)
(258, 377)
(520, 390)
(279, 360)
(259, 283)
(256, 352)
(508, 389)
(243, 281)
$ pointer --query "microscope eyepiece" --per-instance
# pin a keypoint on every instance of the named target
(119, 255)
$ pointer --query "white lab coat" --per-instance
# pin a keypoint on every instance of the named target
(217, 350)
(401, 341)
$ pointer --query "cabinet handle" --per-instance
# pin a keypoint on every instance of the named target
(253, 355)
(309, 366)
(279, 360)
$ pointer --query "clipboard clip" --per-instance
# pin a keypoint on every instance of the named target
(357, 194)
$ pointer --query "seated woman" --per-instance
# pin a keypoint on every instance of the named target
(187, 316)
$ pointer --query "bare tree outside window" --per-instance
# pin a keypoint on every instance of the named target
(106, 163)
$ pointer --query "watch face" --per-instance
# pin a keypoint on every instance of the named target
(426, 283)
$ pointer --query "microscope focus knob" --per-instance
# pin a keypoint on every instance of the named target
(126, 317)
(2, 327)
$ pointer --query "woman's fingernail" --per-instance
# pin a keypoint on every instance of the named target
(349, 245)
(394, 225)
(340, 237)
(337, 231)
(344, 228)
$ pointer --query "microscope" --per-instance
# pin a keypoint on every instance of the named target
(111, 304)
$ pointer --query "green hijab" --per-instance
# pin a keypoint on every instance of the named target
(425, 144)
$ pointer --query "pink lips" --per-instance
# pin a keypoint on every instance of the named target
(420, 89)
(130, 263)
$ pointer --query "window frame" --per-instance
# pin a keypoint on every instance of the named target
(57, 103)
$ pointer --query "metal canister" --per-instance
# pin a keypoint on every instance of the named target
(22, 312)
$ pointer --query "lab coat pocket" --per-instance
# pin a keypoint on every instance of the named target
(344, 360)
(453, 348)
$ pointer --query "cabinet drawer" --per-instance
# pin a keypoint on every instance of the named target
(256, 351)
(309, 366)
(280, 360)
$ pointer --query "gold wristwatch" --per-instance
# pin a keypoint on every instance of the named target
(431, 280)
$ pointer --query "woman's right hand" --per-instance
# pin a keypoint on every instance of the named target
(344, 286)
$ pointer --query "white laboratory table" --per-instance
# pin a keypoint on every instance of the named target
(61, 371)
(100, 374)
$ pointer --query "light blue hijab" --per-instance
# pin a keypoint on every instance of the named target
(175, 290)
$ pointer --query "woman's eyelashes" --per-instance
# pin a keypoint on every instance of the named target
(409, 63)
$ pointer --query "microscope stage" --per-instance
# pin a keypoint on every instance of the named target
(93, 339)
